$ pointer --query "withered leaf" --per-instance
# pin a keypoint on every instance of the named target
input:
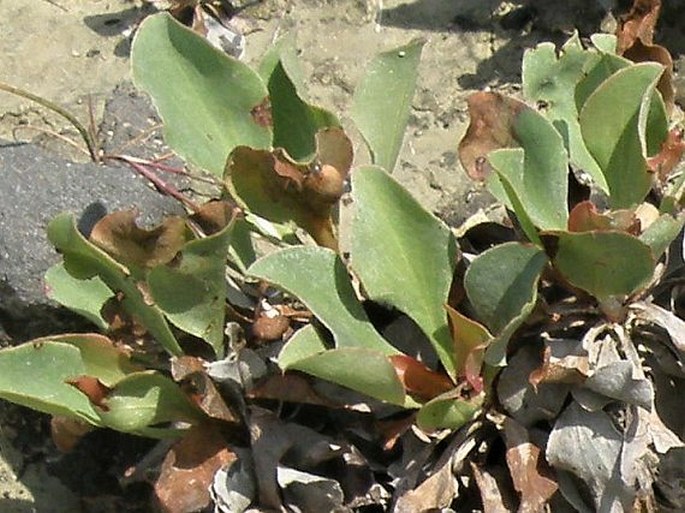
(490, 492)
(214, 216)
(290, 388)
(434, 493)
(282, 190)
(529, 472)
(93, 388)
(639, 23)
(67, 431)
(419, 380)
(120, 236)
(585, 218)
(188, 470)
(563, 361)
(492, 119)
(190, 371)
(671, 152)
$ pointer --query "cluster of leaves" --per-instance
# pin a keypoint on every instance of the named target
(554, 339)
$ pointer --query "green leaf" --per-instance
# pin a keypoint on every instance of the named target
(403, 255)
(508, 165)
(364, 370)
(501, 284)
(85, 297)
(596, 72)
(605, 264)
(144, 399)
(35, 374)
(192, 293)
(210, 103)
(447, 411)
(318, 278)
(84, 260)
(614, 126)
(304, 343)
(295, 122)
(242, 252)
(551, 80)
(381, 102)
(659, 235)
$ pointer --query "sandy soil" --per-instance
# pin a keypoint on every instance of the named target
(68, 50)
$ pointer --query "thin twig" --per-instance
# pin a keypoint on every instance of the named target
(51, 133)
(137, 139)
(56, 109)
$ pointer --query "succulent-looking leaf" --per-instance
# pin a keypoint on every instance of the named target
(84, 260)
(448, 411)
(664, 230)
(605, 264)
(295, 122)
(36, 374)
(614, 124)
(381, 103)
(598, 70)
(318, 278)
(540, 180)
(304, 343)
(552, 80)
(192, 292)
(210, 103)
(85, 297)
(367, 371)
(470, 341)
(501, 284)
(144, 399)
(508, 166)
(403, 255)
(280, 190)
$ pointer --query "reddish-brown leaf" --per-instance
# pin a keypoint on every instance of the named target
(641, 52)
(190, 372)
(529, 472)
(67, 431)
(470, 341)
(639, 23)
(120, 236)
(585, 218)
(188, 470)
(93, 388)
(669, 156)
(492, 118)
(268, 329)
(419, 380)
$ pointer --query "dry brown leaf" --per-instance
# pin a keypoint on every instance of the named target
(585, 218)
(639, 23)
(120, 236)
(290, 388)
(490, 493)
(189, 468)
(670, 155)
(529, 472)
(93, 388)
(67, 431)
(434, 494)
(190, 372)
(492, 118)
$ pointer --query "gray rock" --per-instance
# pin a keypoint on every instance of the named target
(37, 185)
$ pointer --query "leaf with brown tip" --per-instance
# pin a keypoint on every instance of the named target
(492, 118)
